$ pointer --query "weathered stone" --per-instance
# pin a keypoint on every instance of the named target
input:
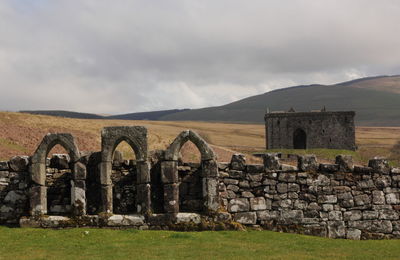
(14, 196)
(258, 203)
(362, 170)
(324, 167)
(105, 173)
(294, 187)
(19, 163)
(378, 197)
(233, 188)
(392, 198)
(106, 198)
(238, 162)
(287, 177)
(254, 168)
(60, 161)
(248, 218)
(209, 168)
(327, 199)
(271, 162)
(79, 171)
(228, 181)
(352, 215)
(282, 187)
(188, 218)
(255, 177)
(78, 197)
(169, 172)
(292, 214)
(307, 163)
(171, 198)
(222, 166)
(345, 163)
(353, 234)
(238, 205)
(143, 172)
(210, 194)
(4, 166)
(335, 215)
(38, 200)
(380, 226)
(388, 214)
(267, 215)
(370, 215)
(336, 229)
(362, 200)
(289, 168)
(327, 207)
(380, 165)
(247, 194)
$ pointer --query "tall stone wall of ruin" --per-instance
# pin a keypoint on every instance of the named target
(332, 200)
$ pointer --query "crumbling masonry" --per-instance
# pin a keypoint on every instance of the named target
(158, 191)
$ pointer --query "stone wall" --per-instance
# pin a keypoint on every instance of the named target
(334, 200)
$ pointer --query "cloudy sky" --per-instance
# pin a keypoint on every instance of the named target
(123, 56)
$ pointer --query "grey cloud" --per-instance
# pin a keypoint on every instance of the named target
(124, 56)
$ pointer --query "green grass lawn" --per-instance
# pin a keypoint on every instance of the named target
(17, 243)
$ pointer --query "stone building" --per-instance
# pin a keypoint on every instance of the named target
(306, 130)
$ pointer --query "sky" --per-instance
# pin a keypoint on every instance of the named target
(122, 56)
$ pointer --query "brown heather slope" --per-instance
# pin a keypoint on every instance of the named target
(21, 133)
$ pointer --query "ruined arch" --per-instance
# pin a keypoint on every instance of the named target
(299, 139)
(136, 137)
(38, 193)
(209, 174)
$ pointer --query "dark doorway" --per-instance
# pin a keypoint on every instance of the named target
(299, 139)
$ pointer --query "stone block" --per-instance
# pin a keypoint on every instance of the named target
(327, 199)
(60, 161)
(293, 187)
(143, 198)
(229, 181)
(246, 218)
(106, 198)
(19, 163)
(169, 172)
(325, 167)
(268, 215)
(105, 173)
(282, 187)
(258, 203)
(171, 198)
(254, 168)
(78, 197)
(14, 196)
(335, 215)
(187, 218)
(38, 200)
(380, 165)
(388, 215)
(255, 177)
(353, 233)
(209, 168)
(336, 229)
(392, 198)
(238, 162)
(271, 162)
(375, 226)
(292, 214)
(143, 172)
(362, 200)
(210, 194)
(352, 215)
(238, 205)
(79, 171)
(378, 197)
(370, 215)
(307, 163)
(287, 177)
(38, 173)
(345, 163)
(247, 194)
(4, 166)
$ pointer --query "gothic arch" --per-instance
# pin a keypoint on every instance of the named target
(38, 198)
(209, 174)
(136, 137)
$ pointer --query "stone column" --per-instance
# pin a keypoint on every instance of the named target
(78, 189)
(106, 187)
(169, 177)
(210, 185)
(143, 187)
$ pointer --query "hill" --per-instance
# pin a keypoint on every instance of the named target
(153, 115)
(376, 101)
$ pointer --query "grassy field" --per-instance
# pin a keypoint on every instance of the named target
(20, 134)
(85, 243)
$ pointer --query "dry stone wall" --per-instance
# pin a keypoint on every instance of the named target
(158, 191)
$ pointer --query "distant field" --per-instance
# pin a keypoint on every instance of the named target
(86, 243)
(21, 133)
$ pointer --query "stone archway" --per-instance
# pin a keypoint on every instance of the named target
(299, 139)
(136, 137)
(170, 178)
(38, 191)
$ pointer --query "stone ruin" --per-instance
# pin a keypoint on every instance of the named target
(159, 191)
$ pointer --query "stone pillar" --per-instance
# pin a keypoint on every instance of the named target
(169, 177)
(78, 189)
(38, 200)
(106, 186)
(210, 185)
(143, 188)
